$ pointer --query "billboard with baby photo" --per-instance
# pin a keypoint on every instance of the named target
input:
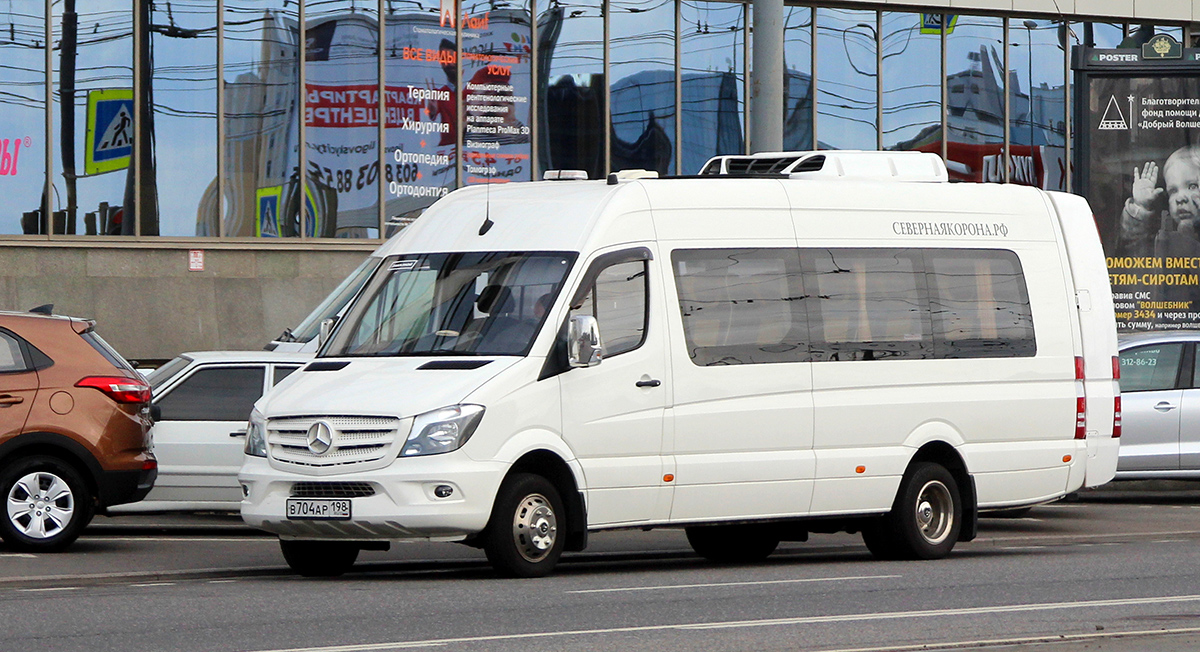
(1138, 164)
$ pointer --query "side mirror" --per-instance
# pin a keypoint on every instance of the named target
(326, 329)
(584, 347)
(155, 413)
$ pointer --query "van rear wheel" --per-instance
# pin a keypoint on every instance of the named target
(319, 558)
(732, 544)
(925, 519)
(522, 538)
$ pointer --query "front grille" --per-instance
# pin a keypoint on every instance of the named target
(332, 490)
(356, 440)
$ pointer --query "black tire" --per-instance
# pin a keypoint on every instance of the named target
(46, 504)
(732, 544)
(319, 558)
(925, 519)
(526, 532)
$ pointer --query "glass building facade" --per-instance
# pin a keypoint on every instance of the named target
(312, 119)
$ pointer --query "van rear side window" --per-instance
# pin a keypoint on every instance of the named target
(743, 306)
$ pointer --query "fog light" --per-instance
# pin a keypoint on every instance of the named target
(443, 491)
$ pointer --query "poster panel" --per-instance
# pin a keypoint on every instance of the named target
(1141, 159)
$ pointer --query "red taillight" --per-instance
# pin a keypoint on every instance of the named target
(1081, 418)
(119, 388)
(1116, 368)
(1117, 416)
(1078, 367)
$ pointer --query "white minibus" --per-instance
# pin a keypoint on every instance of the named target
(857, 346)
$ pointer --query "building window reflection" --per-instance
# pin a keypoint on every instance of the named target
(847, 67)
(1037, 103)
(262, 105)
(23, 145)
(712, 43)
(642, 51)
(912, 88)
(975, 99)
(183, 71)
(222, 131)
(797, 78)
(93, 73)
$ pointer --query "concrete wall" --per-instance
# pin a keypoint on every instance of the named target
(148, 305)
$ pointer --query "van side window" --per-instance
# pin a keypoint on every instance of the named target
(750, 306)
(1150, 368)
(739, 306)
(870, 304)
(618, 301)
(979, 304)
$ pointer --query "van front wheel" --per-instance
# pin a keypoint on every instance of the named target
(925, 519)
(319, 558)
(522, 538)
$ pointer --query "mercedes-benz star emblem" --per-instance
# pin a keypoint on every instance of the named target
(320, 437)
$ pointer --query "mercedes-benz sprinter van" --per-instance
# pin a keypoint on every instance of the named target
(750, 359)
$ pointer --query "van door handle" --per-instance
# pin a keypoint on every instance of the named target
(648, 383)
(238, 433)
(9, 399)
(1164, 406)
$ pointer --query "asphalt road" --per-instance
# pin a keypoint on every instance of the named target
(1117, 571)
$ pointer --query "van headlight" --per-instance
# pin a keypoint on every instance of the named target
(256, 435)
(442, 430)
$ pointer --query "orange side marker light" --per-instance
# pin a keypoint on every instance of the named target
(668, 477)
(860, 469)
(1066, 458)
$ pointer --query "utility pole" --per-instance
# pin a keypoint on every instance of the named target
(141, 181)
(66, 106)
(766, 77)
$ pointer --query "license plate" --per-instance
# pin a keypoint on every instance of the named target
(310, 509)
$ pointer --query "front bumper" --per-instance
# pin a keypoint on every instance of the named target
(403, 504)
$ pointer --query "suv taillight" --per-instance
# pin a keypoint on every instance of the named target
(119, 388)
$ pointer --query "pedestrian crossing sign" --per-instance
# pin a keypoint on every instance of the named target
(266, 217)
(109, 130)
(938, 23)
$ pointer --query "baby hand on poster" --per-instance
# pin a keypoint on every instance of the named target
(1138, 220)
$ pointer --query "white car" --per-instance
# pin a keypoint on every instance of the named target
(202, 402)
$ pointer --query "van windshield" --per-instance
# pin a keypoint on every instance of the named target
(476, 303)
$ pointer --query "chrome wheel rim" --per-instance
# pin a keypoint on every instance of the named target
(40, 505)
(935, 512)
(535, 527)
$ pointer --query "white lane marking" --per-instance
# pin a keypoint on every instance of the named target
(893, 615)
(1132, 538)
(20, 555)
(187, 539)
(1027, 640)
(1030, 547)
(53, 588)
(759, 583)
(149, 584)
(221, 581)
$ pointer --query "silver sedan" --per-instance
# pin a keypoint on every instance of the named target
(1160, 405)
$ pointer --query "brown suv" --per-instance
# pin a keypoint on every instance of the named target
(74, 423)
